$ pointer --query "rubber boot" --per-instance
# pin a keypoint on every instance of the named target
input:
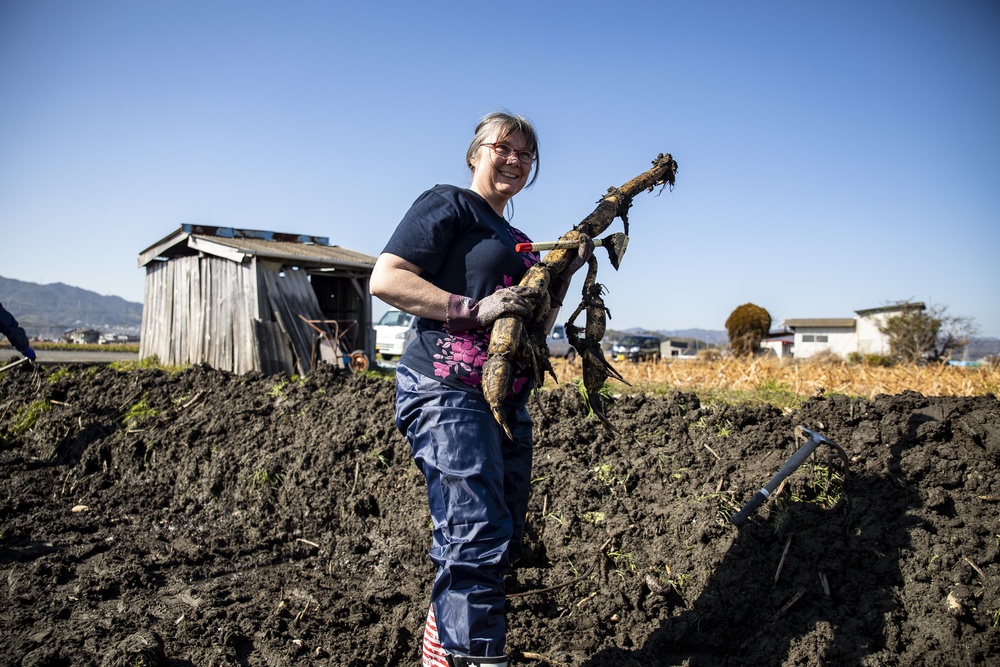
(473, 661)
(432, 653)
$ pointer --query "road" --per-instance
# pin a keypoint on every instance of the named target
(47, 357)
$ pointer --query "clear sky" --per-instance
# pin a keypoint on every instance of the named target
(832, 156)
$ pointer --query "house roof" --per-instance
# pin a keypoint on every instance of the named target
(822, 323)
(848, 322)
(916, 305)
(239, 244)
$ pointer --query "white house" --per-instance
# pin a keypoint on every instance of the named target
(842, 336)
(677, 348)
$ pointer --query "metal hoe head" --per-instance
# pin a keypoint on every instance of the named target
(615, 244)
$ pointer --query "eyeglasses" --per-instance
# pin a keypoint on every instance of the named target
(506, 150)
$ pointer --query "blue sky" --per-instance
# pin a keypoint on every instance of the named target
(832, 156)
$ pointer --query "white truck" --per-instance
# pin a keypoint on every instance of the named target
(393, 333)
(559, 345)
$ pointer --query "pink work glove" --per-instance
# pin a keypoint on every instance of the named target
(466, 313)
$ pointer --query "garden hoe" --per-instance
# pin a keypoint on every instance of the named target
(16, 363)
(615, 244)
(813, 440)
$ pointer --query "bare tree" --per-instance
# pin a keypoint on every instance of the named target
(917, 335)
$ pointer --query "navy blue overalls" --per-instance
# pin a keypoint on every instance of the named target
(478, 483)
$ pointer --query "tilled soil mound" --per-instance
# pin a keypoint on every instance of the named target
(204, 518)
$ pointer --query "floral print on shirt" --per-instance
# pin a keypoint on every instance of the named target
(463, 355)
(530, 258)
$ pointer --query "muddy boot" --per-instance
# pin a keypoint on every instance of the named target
(432, 655)
(473, 661)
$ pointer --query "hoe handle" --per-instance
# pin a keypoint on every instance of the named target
(815, 439)
(552, 245)
(20, 361)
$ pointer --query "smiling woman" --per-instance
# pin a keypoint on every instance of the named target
(453, 262)
(508, 146)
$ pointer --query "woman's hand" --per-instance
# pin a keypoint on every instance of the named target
(466, 313)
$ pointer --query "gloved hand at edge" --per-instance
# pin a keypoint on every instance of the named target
(29, 353)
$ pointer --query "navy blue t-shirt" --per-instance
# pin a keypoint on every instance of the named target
(464, 248)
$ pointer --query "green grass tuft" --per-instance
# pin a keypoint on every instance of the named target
(138, 414)
(24, 420)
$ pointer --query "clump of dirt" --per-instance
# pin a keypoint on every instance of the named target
(204, 518)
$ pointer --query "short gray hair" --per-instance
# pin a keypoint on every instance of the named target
(501, 125)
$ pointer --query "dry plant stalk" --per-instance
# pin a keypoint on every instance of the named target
(788, 605)
(781, 563)
(982, 575)
(804, 378)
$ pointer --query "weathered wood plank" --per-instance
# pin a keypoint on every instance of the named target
(291, 295)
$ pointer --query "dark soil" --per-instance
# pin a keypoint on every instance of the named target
(205, 518)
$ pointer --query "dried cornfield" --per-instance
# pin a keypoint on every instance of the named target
(801, 378)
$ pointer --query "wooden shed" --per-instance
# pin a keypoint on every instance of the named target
(246, 300)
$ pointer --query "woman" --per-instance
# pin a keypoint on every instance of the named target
(451, 262)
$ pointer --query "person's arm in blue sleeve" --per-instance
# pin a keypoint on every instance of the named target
(15, 334)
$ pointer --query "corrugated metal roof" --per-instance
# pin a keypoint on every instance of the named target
(233, 233)
(826, 323)
(238, 244)
(286, 251)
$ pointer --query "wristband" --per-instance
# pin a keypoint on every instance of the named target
(463, 313)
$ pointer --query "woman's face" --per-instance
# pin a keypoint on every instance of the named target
(498, 179)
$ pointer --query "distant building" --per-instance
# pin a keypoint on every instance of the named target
(678, 348)
(110, 338)
(82, 336)
(248, 300)
(842, 336)
(780, 343)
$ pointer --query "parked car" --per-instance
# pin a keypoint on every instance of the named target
(559, 345)
(394, 333)
(636, 348)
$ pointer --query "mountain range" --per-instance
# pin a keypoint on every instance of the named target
(46, 311)
(980, 348)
